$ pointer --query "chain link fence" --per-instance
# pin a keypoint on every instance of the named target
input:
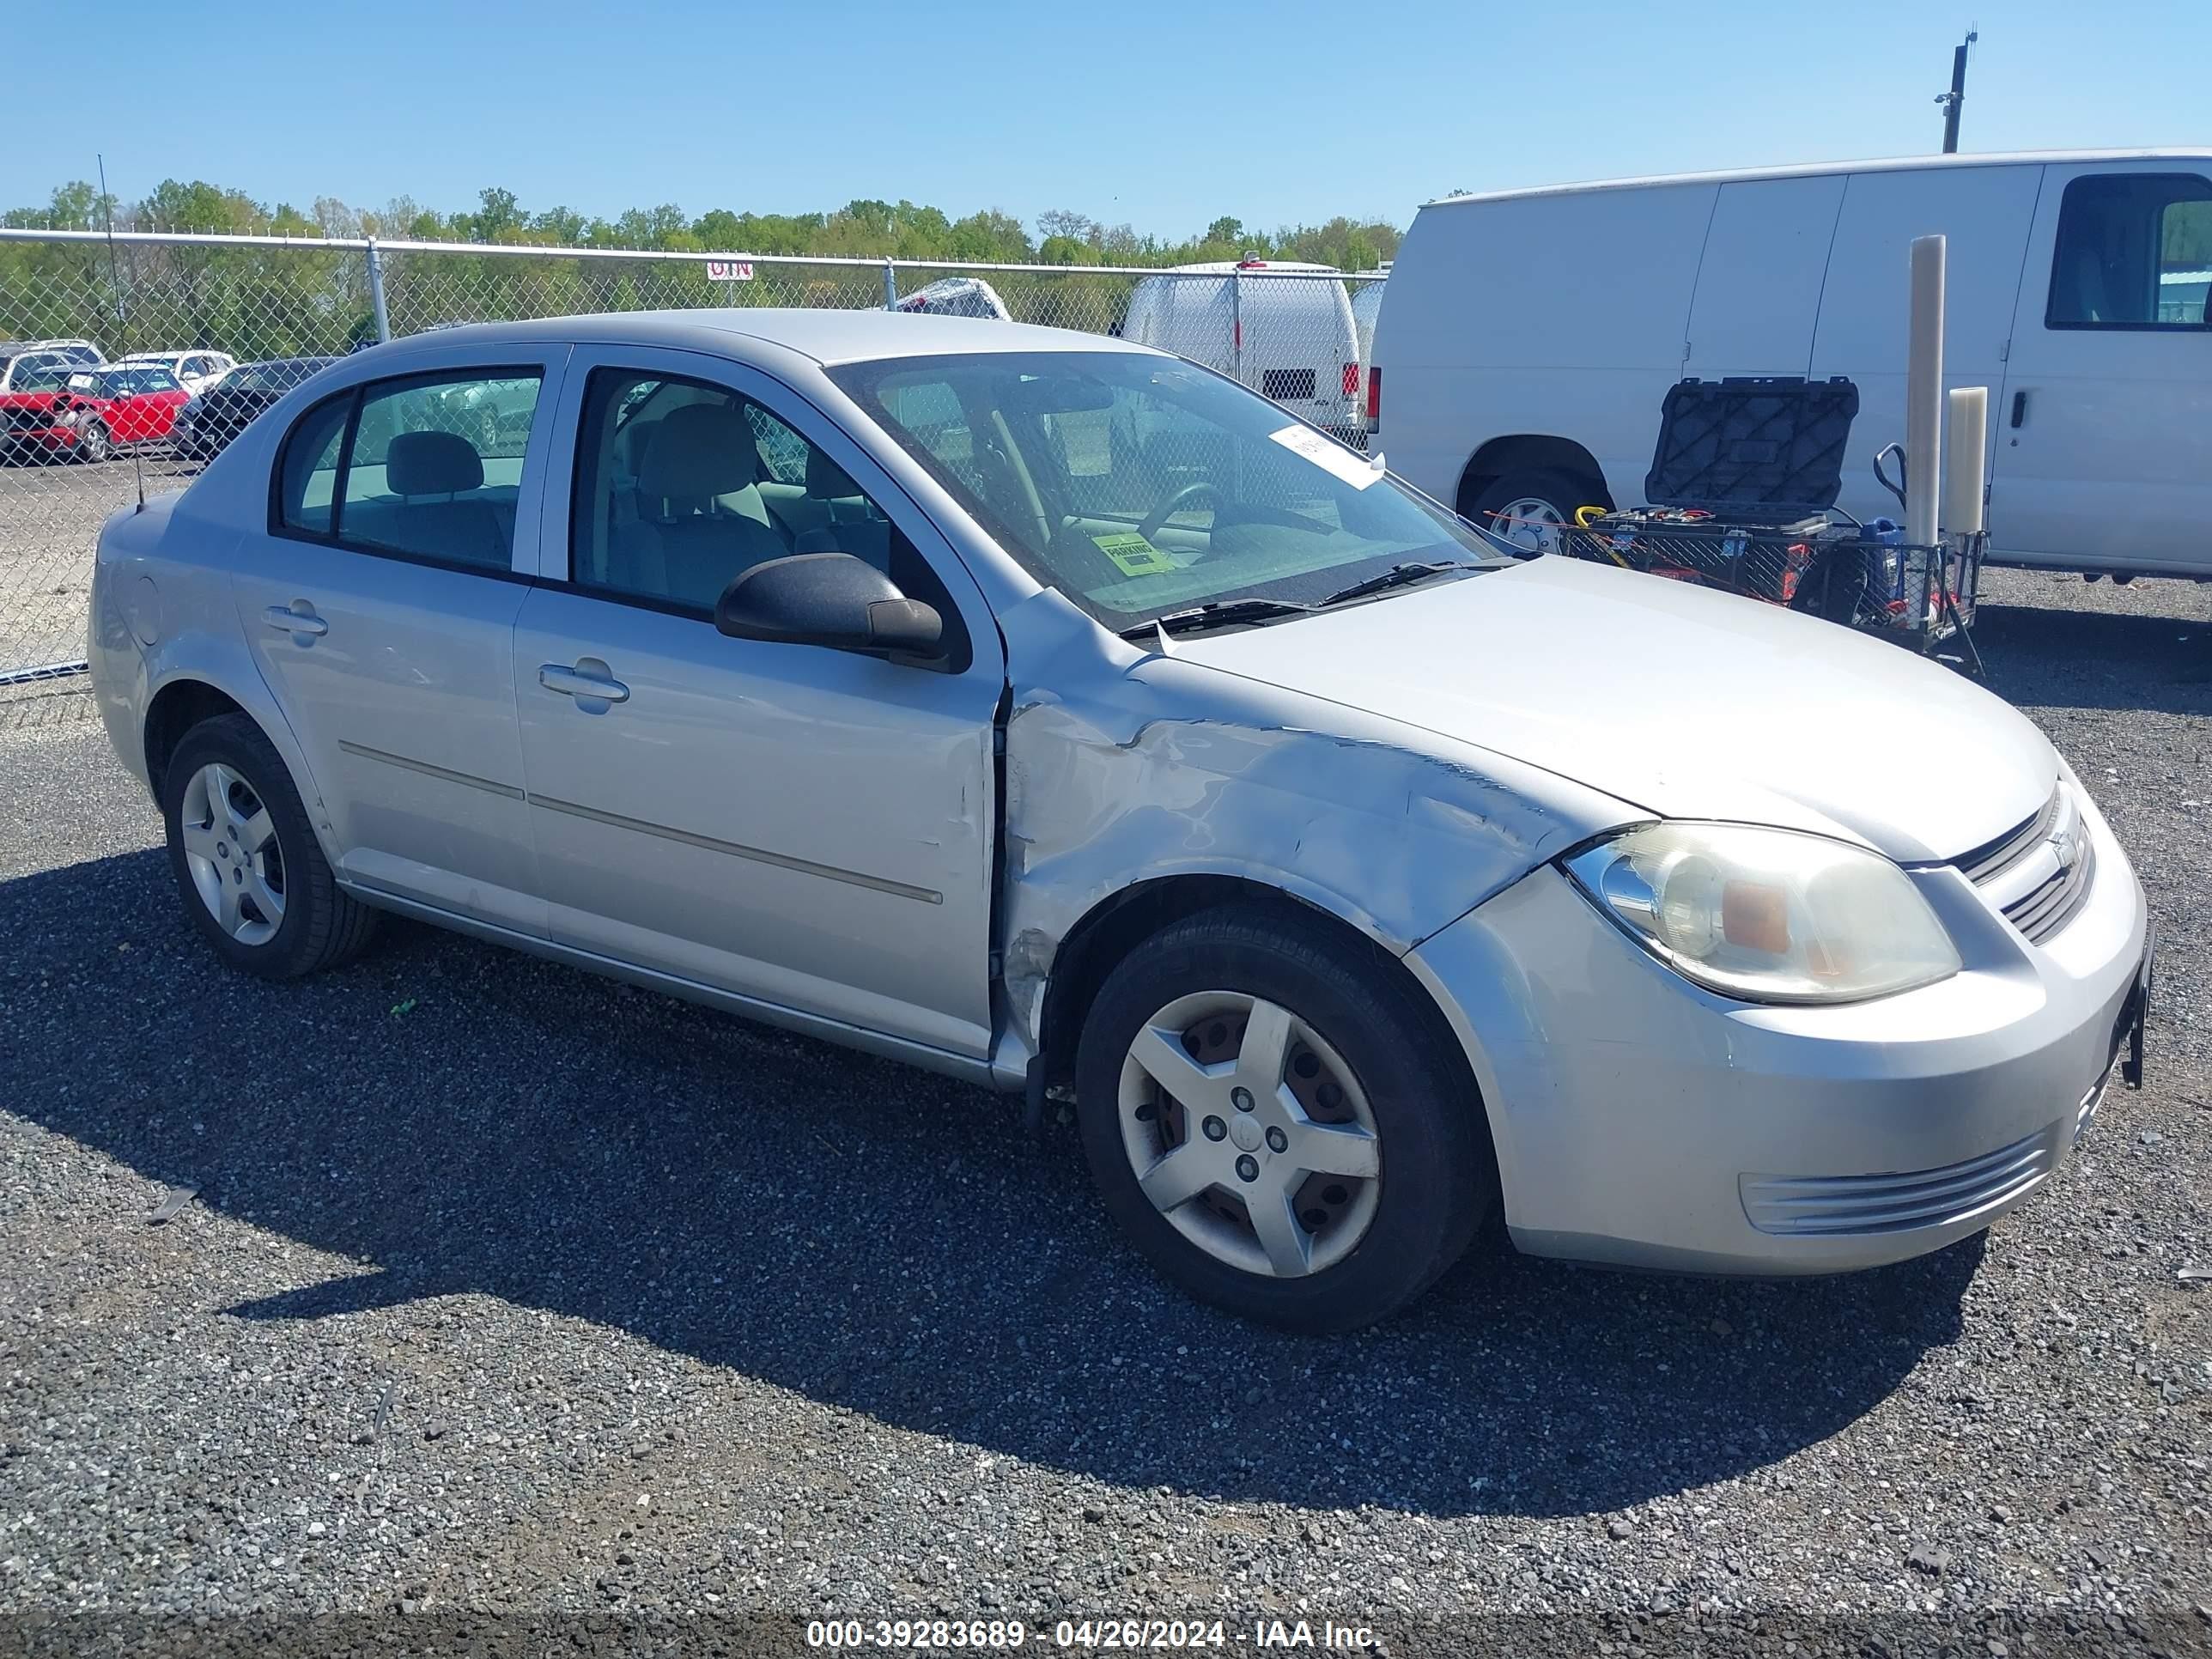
(127, 362)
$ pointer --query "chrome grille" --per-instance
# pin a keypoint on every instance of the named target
(2040, 871)
(1994, 857)
(2051, 906)
(1808, 1206)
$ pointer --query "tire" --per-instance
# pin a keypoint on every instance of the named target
(315, 924)
(93, 444)
(1434, 1180)
(1835, 588)
(1560, 493)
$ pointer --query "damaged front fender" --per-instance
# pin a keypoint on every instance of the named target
(1126, 766)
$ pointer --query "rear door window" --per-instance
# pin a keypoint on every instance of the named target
(427, 468)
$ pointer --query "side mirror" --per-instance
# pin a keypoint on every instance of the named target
(830, 599)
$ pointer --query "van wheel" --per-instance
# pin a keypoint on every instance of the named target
(1529, 509)
(251, 875)
(1276, 1125)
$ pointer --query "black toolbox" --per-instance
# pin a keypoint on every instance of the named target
(1741, 485)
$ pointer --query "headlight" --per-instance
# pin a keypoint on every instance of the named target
(1767, 915)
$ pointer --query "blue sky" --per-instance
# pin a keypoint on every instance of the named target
(1161, 115)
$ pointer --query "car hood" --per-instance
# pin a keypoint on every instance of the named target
(1679, 701)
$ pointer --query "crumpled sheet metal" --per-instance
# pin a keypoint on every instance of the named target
(1124, 765)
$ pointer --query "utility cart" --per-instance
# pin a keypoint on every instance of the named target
(1742, 492)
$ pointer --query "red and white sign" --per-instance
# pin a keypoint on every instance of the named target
(729, 270)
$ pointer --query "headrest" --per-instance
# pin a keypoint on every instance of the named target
(431, 464)
(699, 450)
(826, 481)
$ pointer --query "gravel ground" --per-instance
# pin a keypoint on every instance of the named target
(511, 1303)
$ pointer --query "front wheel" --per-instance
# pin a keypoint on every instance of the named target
(93, 443)
(1278, 1126)
(252, 876)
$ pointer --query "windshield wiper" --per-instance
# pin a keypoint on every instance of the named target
(1222, 614)
(1399, 575)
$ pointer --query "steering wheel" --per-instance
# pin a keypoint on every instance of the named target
(1174, 504)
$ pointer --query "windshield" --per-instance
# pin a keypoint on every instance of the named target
(41, 375)
(1140, 486)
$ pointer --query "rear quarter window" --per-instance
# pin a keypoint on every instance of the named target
(308, 468)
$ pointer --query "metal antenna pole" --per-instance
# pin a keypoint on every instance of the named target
(1952, 99)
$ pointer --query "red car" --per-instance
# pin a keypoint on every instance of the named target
(89, 413)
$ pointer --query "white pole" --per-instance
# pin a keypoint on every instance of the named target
(1966, 460)
(1924, 393)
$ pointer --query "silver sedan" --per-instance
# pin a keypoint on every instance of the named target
(1061, 715)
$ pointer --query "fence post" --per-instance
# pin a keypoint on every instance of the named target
(376, 291)
(1236, 323)
(891, 287)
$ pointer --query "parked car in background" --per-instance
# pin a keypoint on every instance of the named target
(26, 411)
(101, 410)
(21, 359)
(210, 421)
(1531, 335)
(1355, 879)
(196, 370)
(76, 413)
(1276, 325)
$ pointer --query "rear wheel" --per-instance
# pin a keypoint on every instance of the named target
(1278, 1126)
(1530, 507)
(251, 874)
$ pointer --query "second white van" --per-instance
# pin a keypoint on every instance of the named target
(1281, 327)
(1531, 336)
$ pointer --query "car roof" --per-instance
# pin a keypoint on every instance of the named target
(1822, 169)
(826, 336)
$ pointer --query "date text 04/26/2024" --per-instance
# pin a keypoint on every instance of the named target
(1089, 1635)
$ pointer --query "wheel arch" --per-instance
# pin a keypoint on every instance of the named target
(188, 696)
(1118, 923)
(178, 707)
(1522, 452)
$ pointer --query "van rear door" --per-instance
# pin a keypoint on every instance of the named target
(1758, 282)
(1984, 212)
(2100, 432)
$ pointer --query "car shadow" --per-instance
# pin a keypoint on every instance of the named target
(459, 1119)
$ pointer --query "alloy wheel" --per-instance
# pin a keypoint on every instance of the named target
(1249, 1133)
(232, 851)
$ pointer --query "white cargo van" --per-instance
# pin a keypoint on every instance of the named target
(1280, 326)
(1532, 334)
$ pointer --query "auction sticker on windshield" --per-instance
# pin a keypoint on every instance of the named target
(1132, 554)
(1328, 455)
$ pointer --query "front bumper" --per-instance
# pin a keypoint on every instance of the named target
(1640, 1121)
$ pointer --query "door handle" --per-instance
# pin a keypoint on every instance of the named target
(583, 682)
(302, 620)
(2019, 408)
